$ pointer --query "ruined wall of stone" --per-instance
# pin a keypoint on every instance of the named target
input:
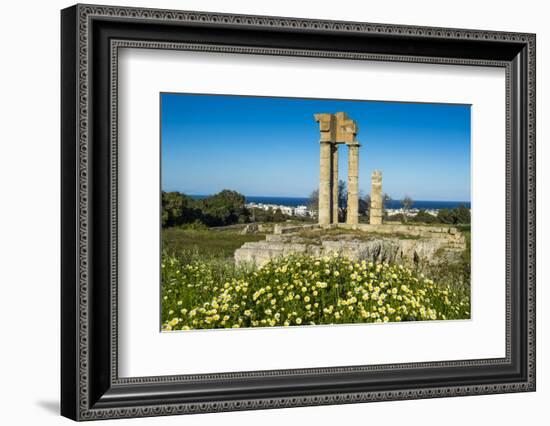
(403, 244)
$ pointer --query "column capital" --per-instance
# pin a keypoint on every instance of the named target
(327, 127)
(346, 129)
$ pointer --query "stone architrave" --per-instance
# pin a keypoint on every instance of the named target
(376, 198)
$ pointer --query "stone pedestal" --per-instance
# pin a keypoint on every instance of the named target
(352, 216)
(376, 202)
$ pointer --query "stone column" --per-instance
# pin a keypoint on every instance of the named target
(325, 180)
(334, 184)
(346, 131)
(376, 198)
(353, 185)
(327, 140)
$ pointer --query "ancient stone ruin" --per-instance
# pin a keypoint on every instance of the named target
(378, 242)
(402, 244)
(337, 129)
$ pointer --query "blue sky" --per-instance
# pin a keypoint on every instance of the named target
(270, 146)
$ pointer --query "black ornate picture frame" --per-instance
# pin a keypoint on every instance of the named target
(91, 387)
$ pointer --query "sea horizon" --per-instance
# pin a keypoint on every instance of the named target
(297, 201)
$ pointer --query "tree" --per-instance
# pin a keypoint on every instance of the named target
(278, 216)
(445, 216)
(459, 215)
(342, 199)
(424, 217)
(364, 206)
(177, 209)
(172, 207)
(462, 215)
(397, 217)
(224, 208)
(406, 204)
(313, 202)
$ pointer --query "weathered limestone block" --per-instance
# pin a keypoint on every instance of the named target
(346, 129)
(286, 229)
(259, 253)
(406, 244)
(376, 202)
(402, 251)
(250, 228)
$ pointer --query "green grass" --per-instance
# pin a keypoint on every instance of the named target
(300, 290)
(198, 273)
(456, 275)
(207, 243)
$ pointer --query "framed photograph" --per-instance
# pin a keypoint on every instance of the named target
(263, 212)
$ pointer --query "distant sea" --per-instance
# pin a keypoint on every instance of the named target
(393, 204)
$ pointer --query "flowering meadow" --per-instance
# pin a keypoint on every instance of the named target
(300, 290)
